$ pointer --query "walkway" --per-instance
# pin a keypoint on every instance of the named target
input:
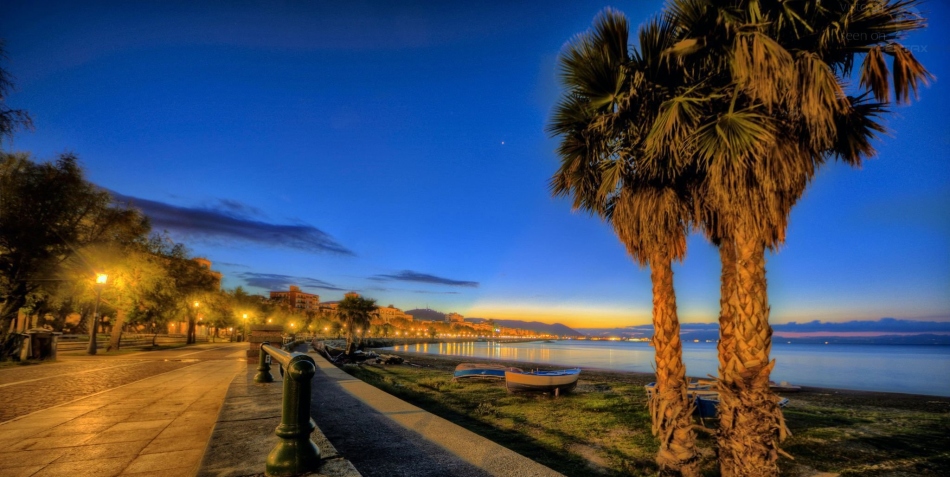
(141, 414)
(383, 436)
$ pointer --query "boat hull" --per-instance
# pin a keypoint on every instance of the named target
(556, 382)
(482, 371)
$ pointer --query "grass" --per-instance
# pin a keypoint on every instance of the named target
(603, 427)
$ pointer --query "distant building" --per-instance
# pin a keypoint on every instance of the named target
(389, 313)
(454, 318)
(297, 299)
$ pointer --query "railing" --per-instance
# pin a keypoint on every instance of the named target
(129, 340)
(295, 452)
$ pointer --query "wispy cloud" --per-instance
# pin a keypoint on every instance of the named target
(232, 265)
(274, 281)
(230, 220)
(411, 276)
(426, 292)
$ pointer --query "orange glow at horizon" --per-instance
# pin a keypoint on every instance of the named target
(571, 316)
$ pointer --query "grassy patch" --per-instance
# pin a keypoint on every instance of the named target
(603, 426)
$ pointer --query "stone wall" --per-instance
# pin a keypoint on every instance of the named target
(259, 334)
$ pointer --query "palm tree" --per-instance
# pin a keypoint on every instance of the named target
(355, 311)
(774, 109)
(605, 120)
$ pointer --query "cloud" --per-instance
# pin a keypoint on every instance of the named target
(411, 276)
(436, 292)
(229, 220)
(273, 281)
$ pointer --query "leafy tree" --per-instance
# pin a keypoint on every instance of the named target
(136, 279)
(49, 211)
(190, 283)
(356, 313)
(10, 119)
(606, 121)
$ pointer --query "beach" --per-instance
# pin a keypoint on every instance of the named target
(603, 426)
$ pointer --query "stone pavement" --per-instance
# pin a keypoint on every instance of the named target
(384, 436)
(153, 420)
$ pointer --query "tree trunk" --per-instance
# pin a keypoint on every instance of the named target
(670, 408)
(728, 302)
(116, 338)
(192, 325)
(350, 342)
(751, 425)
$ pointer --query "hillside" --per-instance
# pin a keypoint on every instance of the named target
(538, 327)
(426, 314)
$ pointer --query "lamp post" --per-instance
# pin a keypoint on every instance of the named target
(245, 327)
(100, 282)
(193, 328)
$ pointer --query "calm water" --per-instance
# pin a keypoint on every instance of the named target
(905, 369)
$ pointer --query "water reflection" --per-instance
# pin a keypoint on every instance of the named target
(907, 369)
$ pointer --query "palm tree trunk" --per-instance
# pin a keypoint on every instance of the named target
(751, 425)
(670, 407)
(728, 302)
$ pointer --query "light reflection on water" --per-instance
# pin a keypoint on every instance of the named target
(889, 368)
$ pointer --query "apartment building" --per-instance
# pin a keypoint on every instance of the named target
(297, 299)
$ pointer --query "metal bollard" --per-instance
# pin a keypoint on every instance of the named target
(263, 367)
(295, 453)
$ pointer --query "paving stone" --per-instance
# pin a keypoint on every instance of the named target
(104, 451)
(165, 461)
(88, 468)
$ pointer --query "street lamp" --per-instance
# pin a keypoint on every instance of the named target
(245, 326)
(100, 282)
(193, 332)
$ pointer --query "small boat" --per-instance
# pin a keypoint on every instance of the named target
(707, 406)
(480, 370)
(556, 382)
(695, 388)
(784, 387)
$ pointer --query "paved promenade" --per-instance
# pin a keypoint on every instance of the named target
(140, 414)
(384, 436)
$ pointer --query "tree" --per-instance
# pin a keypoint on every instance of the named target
(49, 211)
(191, 282)
(771, 109)
(136, 279)
(605, 121)
(10, 119)
(356, 313)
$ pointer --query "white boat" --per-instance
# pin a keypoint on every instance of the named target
(556, 382)
(480, 370)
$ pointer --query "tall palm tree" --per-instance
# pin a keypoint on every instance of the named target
(776, 110)
(355, 311)
(604, 121)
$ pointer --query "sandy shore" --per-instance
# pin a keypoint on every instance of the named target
(808, 395)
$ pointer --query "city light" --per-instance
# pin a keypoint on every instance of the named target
(101, 278)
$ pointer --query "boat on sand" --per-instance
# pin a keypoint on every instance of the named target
(556, 382)
(481, 370)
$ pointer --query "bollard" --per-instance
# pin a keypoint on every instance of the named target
(295, 453)
(263, 368)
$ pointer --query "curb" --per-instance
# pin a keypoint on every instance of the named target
(244, 433)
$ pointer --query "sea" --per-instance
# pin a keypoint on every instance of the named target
(911, 369)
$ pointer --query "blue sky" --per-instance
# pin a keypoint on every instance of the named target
(398, 149)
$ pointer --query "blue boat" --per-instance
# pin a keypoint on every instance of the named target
(480, 370)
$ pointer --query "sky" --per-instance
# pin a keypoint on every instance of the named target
(398, 149)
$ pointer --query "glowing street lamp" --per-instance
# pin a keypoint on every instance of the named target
(245, 326)
(100, 282)
(191, 337)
